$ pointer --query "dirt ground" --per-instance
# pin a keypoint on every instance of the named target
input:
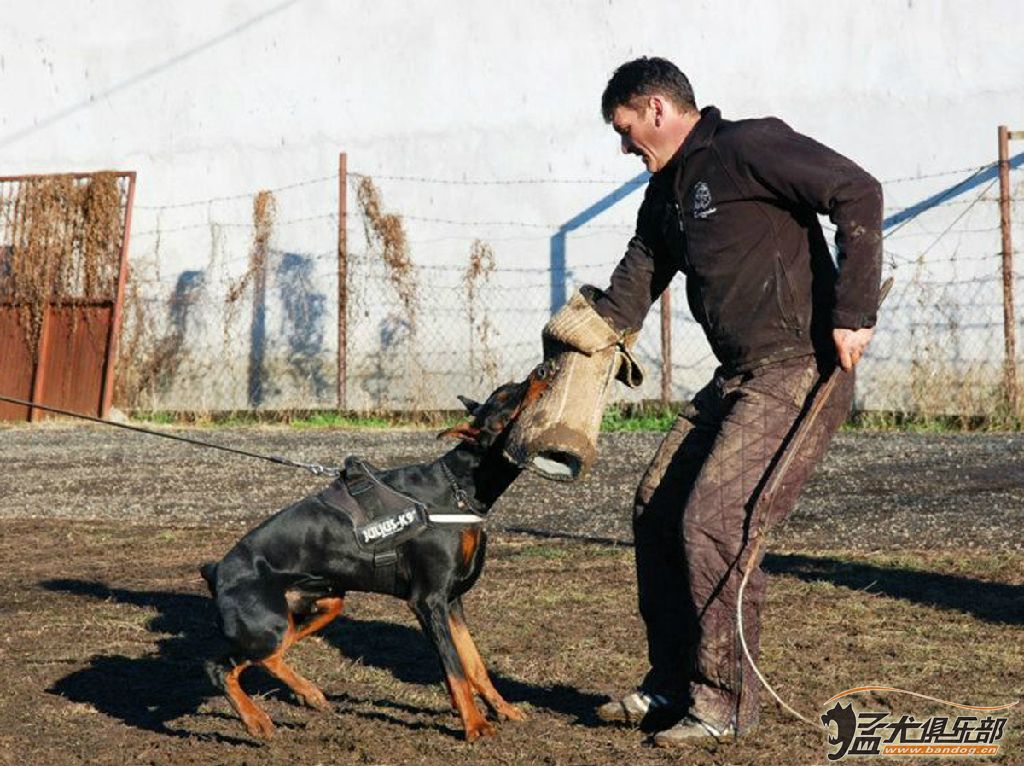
(903, 566)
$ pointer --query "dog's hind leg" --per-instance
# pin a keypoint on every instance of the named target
(433, 615)
(305, 690)
(256, 720)
(475, 667)
(326, 610)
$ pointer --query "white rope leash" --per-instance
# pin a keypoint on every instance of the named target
(766, 501)
(743, 641)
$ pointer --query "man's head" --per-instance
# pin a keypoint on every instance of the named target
(650, 104)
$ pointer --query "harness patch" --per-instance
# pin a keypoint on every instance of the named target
(382, 530)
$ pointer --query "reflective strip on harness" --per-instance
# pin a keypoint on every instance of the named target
(455, 518)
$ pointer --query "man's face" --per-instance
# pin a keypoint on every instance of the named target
(640, 134)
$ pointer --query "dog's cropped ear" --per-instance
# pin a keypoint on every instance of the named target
(469, 404)
(464, 431)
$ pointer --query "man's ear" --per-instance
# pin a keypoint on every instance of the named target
(657, 104)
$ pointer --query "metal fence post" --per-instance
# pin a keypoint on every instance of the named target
(117, 311)
(666, 347)
(342, 280)
(1009, 334)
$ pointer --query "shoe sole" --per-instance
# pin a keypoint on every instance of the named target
(619, 714)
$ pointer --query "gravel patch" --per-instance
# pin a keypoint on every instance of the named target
(874, 491)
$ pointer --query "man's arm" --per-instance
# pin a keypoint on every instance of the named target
(806, 173)
(640, 277)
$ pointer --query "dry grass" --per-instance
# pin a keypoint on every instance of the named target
(65, 238)
(385, 235)
(482, 356)
(386, 239)
(264, 211)
(148, 359)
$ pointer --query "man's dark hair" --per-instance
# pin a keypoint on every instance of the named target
(646, 77)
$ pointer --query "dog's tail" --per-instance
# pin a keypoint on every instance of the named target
(216, 670)
(209, 573)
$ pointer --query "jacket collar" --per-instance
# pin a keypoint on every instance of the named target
(699, 138)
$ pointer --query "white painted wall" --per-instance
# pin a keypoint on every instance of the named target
(209, 100)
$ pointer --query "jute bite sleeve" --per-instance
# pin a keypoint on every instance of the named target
(557, 435)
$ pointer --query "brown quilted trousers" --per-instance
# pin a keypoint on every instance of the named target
(696, 508)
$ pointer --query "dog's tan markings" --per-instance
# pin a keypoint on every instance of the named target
(327, 609)
(535, 388)
(470, 540)
(304, 690)
(451, 694)
(473, 722)
(477, 671)
(256, 721)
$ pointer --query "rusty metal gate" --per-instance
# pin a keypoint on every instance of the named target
(63, 266)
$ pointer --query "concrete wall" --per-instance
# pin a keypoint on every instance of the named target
(210, 102)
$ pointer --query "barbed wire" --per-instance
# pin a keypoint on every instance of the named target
(418, 353)
(956, 220)
(476, 182)
(241, 195)
(551, 226)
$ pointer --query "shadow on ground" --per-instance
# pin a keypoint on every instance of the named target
(995, 602)
(152, 691)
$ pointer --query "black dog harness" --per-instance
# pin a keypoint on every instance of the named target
(384, 519)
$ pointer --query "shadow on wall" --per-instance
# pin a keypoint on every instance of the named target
(300, 369)
(187, 292)
(170, 352)
(302, 325)
(386, 368)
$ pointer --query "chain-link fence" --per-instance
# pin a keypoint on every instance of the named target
(440, 304)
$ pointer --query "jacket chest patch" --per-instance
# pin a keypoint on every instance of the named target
(703, 204)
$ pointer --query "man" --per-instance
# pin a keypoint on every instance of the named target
(732, 205)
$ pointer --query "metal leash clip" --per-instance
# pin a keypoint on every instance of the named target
(314, 468)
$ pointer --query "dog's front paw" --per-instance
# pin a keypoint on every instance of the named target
(481, 728)
(315, 699)
(258, 724)
(509, 712)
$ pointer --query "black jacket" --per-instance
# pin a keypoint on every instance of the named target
(736, 211)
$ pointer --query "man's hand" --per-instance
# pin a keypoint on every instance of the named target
(850, 345)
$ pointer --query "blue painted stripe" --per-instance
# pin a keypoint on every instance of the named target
(605, 202)
(558, 241)
(559, 292)
(972, 182)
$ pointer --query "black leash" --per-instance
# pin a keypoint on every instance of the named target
(314, 468)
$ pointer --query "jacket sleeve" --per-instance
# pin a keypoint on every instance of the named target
(803, 172)
(641, 276)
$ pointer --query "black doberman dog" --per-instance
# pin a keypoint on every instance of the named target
(288, 577)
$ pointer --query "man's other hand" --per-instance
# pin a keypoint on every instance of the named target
(850, 345)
